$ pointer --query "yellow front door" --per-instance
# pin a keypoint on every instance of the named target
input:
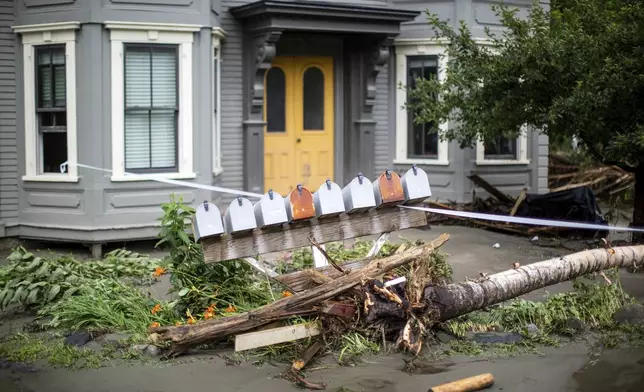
(298, 110)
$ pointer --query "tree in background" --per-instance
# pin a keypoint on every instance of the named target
(574, 71)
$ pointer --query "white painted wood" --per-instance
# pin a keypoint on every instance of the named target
(260, 267)
(395, 281)
(318, 258)
(218, 35)
(269, 337)
(375, 248)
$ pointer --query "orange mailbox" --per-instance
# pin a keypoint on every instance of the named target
(299, 204)
(388, 189)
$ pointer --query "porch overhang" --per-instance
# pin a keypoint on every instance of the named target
(321, 16)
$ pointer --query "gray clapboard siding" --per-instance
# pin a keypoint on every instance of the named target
(8, 151)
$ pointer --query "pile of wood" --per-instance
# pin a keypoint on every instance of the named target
(607, 182)
(360, 294)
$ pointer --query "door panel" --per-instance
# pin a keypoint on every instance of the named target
(305, 147)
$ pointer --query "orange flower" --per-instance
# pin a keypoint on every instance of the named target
(191, 319)
(286, 293)
(231, 308)
(158, 271)
(177, 324)
(155, 325)
(156, 309)
(208, 315)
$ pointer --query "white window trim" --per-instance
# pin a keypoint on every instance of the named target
(522, 152)
(180, 34)
(48, 34)
(416, 47)
(218, 34)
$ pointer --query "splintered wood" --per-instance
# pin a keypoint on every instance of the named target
(346, 226)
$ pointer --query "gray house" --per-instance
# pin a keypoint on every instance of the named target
(243, 95)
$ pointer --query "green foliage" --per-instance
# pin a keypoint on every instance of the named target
(32, 281)
(28, 349)
(574, 71)
(354, 347)
(109, 305)
(198, 284)
(591, 302)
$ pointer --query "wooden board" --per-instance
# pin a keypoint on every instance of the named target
(248, 341)
(476, 179)
(297, 235)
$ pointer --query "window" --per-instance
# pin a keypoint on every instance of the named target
(218, 34)
(49, 81)
(151, 74)
(418, 58)
(275, 100)
(51, 107)
(151, 109)
(501, 148)
(423, 143)
(313, 99)
(503, 151)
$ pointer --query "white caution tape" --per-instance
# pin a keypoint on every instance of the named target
(160, 178)
(525, 221)
(463, 214)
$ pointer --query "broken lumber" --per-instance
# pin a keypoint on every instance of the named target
(268, 337)
(520, 199)
(186, 336)
(476, 179)
(470, 384)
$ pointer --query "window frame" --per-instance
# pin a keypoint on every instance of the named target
(521, 155)
(405, 48)
(122, 33)
(150, 109)
(218, 35)
(33, 37)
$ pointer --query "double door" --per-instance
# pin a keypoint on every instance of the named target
(298, 110)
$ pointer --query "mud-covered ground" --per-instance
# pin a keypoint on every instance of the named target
(578, 365)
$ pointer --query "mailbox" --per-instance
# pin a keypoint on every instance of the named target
(240, 216)
(270, 210)
(388, 189)
(328, 200)
(358, 195)
(299, 204)
(415, 185)
(207, 221)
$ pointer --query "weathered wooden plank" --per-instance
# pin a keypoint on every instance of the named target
(476, 179)
(248, 341)
(297, 235)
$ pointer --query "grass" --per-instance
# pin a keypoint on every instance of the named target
(28, 349)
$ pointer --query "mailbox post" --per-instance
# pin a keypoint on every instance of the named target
(358, 195)
(415, 185)
(207, 221)
(299, 204)
(270, 210)
(240, 216)
(388, 189)
(328, 200)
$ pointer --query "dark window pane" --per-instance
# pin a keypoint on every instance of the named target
(313, 92)
(422, 139)
(50, 74)
(501, 148)
(275, 100)
(54, 151)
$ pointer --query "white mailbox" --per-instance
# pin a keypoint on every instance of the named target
(207, 221)
(416, 185)
(240, 216)
(328, 200)
(388, 190)
(358, 195)
(270, 210)
(299, 204)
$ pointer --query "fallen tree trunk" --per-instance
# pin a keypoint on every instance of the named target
(183, 337)
(456, 299)
(450, 301)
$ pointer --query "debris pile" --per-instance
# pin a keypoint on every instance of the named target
(607, 182)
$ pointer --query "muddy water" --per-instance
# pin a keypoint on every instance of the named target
(615, 370)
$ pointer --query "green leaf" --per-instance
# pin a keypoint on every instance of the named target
(184, 237)
(71, 291)
(42, 271)
(3, 294)
(37, 284)
(7, 299)
(32, 298)
(183, 291)
(18, 295)
(53, 292)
